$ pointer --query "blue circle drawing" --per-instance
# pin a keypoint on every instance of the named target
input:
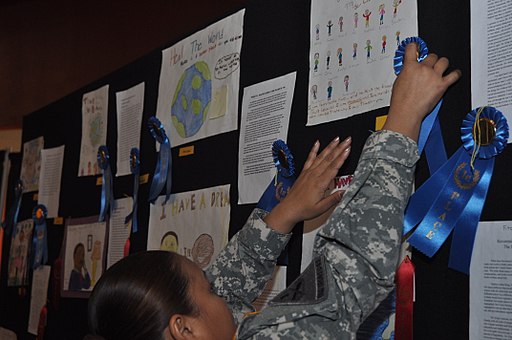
(192, 99)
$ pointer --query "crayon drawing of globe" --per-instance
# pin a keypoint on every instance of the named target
(192, 99)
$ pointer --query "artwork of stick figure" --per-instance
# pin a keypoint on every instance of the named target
(317, 61)
(340, 56)
(317, 31)
(329, 27)
(396, 3)
(368, 49)
(354, 51)
(382, 11)
(397, 38)
(314, 91)
(346, 81)
(356, 19)
(366, 17)
(384, 38)
(328, 59)
(329, 90)
(340, 23)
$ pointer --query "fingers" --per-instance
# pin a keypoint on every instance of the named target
(452, 77)
(312, 155)
(411, 53)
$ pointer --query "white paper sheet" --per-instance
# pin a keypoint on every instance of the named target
(490, 282)
(199, 82)
(94, 130)
(31, 164)
(50, 178)
(491, 65)
(194, 224)
(351, 59)
(129, 106)
(119, 231)
(40, 279)
(265, 117)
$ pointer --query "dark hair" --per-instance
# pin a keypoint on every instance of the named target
(136, 297)
(78, 245)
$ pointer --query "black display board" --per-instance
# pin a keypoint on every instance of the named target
(275, 42)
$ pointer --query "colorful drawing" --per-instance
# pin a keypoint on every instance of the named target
(340, 56)
(382, 11)
(31, 164)
(384, 38)
(170, 242)
(317, 61)
(354, 51)
(340, 23)
(329, 90)
(19, 253)
(397, 38)
(366, 17)
(329, 27)
(192, 99)
(368, 49)
(328, 59)
(396, 3)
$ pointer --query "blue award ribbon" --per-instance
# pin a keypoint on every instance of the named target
(12, 218)
(453, 197)
(162, 176)
(107, 195)
(40, 238)
(283, 180)
(135, 170)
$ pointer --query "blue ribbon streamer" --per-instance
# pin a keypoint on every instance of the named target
(284, 179)
(135, 170)
(107, 187)
(12, 218)
(40, 238)
(453, 197)
(162, 176)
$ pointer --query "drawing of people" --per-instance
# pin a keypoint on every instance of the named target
(314, 91)
(17, 259)
(328, 59)
(366, 17)
(340, 56)
(346, 81)
(95, 257)
(396, 3)
(329, 90)
(356, 19)
(368, 49)
(317, 61)
(317, 31)
(354, 51)
(397, 38)
(79, 278)
(384, 38)
(340, 23)
(329, 27)
(382, 11)
(170, 242)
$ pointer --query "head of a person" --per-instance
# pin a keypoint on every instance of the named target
(157, 295)
(79, 255)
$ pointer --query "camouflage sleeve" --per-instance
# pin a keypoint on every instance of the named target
(242, 269)
(361, 239)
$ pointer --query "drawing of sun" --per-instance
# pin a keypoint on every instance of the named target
(192, 99)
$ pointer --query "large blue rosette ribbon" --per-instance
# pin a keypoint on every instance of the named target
(135, 170)
(40, 238)
(430, 138)
(453, 197)
(107, 187)
(162, 176)
(283, 180)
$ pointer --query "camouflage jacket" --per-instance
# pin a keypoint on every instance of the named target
(356, 254)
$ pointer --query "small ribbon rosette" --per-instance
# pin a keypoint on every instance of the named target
(135, 170)
(107, 187)
(284, 178)
(162, 176)
(453, 197)
(40, 238)
(430, 137)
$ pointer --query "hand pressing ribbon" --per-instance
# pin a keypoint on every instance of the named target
(430, 138)
(453, 197)
(284, 178)
(40, 238)
(107, 194)
(162, 176)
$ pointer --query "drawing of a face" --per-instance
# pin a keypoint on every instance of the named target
(169, 242)
(79, 256)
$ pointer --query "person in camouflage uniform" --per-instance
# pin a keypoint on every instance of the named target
(160, 295)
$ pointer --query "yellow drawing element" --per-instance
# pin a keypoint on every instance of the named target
(95, 257)
(170, 242)
(379, 122)
(219, 102)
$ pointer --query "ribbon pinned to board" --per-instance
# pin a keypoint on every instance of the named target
(107, 190)
(453, 197)
(284, 178)
(40, 238)
(162, 175)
